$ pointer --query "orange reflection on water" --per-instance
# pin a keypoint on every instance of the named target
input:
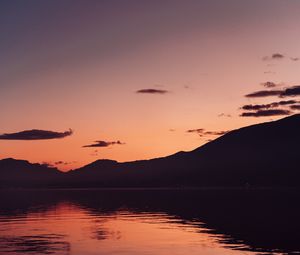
(71, 229)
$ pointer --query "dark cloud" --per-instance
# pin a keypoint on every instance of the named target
(275, 56)
(292, 91)
(198, 130)
(287, 92)
(59, 163)
(250, 107)
(287, 102)
(269, 72)
(265, 93)
(265, 113)
(36, 134)
(152, 91)
(216, 132)
(295, 107)
(202, 132)
(103, 144)
(63, 162)
(278, 56)
(269, 84)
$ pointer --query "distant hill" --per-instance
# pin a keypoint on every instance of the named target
(21, 173)
(261, 155)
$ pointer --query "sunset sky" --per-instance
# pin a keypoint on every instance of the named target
(140, 79)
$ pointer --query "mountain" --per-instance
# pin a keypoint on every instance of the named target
(259, 155)
(21, 173)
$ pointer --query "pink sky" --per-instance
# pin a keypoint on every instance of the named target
(78, 65)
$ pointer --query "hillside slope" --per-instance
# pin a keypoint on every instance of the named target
(262, 155)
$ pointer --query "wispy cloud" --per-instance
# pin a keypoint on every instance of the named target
(198, 130)
(295, 107)
(265, 93)
(291, 91)
(267, 106)
(270, 84)
(287, 92)
(278, 56)
(102, 144)
(60, 162)
(202, 132)
(35, 134)
(275, 56)
(266, 113)
(152, 91)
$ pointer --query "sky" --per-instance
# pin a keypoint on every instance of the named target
(83, 80)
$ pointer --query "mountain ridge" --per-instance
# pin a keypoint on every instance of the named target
(263, 154)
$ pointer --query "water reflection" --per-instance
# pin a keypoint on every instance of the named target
(149, 222)
(38, 244)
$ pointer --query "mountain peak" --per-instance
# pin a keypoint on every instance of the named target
(104, 162)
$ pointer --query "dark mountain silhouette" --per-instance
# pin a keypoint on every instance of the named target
(21, 173)
(260, 155)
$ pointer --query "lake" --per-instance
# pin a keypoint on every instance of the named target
(88, 222)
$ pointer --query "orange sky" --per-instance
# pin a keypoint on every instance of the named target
(78, 65)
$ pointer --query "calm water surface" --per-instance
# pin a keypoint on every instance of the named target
(149, 222)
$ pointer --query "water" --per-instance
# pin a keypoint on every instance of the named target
(149, 222)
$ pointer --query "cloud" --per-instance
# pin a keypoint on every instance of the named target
(265, 93)
(36, 134)
(275, 56)
(295, 107)
(60, 162)
(255, 107)
(102, 144)
(269, 84)
(287, 92)
(198, 130)
(202, 132)
(216, 132)
(262, 110)
(287, 102)
(249, 107)
(152, 91)
(292, 91)
(265, 113)
(278, 56)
